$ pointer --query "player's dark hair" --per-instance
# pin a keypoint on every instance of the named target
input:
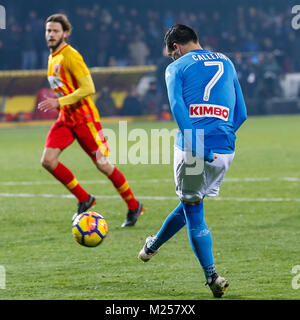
(179, 33)
(62, 19)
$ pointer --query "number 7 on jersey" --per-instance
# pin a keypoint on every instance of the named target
(214, 79)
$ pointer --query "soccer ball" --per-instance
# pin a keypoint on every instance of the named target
(89, 229)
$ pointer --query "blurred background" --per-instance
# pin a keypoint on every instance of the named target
(122, 44)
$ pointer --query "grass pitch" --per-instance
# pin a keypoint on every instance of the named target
(255, 225)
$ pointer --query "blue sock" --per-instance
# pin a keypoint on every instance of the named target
(210, 273)
(173, 223)
(200, 238)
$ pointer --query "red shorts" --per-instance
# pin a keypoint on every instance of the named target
(89, 135)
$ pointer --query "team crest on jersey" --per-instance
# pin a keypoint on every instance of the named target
(209, 110)
(55, 82)
(56, 69)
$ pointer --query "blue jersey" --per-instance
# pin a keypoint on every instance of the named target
(204, 93)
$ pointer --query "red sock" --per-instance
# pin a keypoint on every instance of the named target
(66, 177)
(122, 186)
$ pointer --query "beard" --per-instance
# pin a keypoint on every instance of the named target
(177, 54)
(54, 45)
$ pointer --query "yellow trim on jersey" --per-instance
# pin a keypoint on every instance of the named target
(102, 147)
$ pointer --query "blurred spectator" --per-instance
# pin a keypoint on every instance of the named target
(12, 46)
(153, 36)
(165, 114)
(250, 44)
(34, 23)
(103, 31)
(132, 105)
(138, 51)
(2, 55)
(88, 49)
(102, 45)
(29, 54)
(2, 117)
(258, 38)
(162, 64)
(105, 103)
(120, 50)
(22, 117)
(151, 100)
(294, 49)
(168, 20)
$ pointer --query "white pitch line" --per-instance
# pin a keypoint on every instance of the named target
(162, 198)
(257, 199)
(38, 183)
(247, 179)
(291, 179)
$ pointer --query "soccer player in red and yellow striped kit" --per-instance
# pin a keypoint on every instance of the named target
(78, 119)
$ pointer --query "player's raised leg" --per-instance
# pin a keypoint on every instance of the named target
(172, 224)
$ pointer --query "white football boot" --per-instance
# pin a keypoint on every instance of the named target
(218, 286)
(145, 254)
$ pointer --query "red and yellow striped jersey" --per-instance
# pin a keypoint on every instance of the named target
(65, 67)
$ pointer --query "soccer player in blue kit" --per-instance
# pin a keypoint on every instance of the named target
(205, 96)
